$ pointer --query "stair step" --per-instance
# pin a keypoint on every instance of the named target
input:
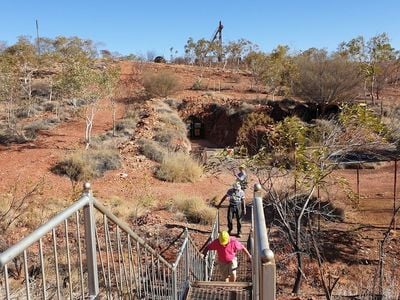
(222, 284)
(220, 290)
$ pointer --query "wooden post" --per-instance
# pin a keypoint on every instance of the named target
(394, 193)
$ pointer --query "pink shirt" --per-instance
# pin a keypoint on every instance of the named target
(226, 253)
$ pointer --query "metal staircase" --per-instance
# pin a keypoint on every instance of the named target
(86, 252)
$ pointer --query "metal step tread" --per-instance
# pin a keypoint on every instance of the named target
(220, 290)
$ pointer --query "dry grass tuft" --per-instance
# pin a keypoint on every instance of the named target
(179, 167)
(194, 209)
(161, 84)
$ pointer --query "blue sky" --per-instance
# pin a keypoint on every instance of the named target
(152, 25)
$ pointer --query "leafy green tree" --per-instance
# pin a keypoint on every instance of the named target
(279, 72)
(197, 51)
(256, 62)
(80, 80)
(376, 58)
(236, 51)
(379, 51)
(9, 82)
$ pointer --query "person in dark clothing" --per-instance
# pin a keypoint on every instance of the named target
(237, 207)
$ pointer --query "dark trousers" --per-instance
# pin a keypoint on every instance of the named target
(235, 210)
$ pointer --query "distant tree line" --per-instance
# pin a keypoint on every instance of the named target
(313, 74)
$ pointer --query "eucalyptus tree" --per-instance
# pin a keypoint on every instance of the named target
(376, 57)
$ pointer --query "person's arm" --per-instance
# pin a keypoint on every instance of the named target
(222, 200)
(247, 253)
(244, 205)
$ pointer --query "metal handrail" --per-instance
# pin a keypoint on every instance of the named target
(18, 248)
(264, 268)
(125, 227)
(112, 260)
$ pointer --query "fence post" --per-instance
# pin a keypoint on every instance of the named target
(90, 240)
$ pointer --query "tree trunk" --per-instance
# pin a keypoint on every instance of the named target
(372, 89)
(88, 129)
(299, 274)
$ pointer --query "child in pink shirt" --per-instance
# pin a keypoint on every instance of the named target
(227, 247)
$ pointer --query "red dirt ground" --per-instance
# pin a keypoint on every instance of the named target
(26, 163)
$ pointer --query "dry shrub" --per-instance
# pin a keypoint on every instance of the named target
(173, 140)
(179, 167)
(32, 129)
(172, 121)
(131, 209)
(194, 209)
(152, 150)
(161, 84)
(75, 167)
(84, 165)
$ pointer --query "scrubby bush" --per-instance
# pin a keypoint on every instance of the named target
(126, 126)
(171, 139)
(361, 116)
(32, 129)
(84, 165)
(104, 160)
(255, 131)
(194, 209)
(9, 136)
(75, 166)
(50, 106)
(160, 84)
(152, 150)
(291, 132)
(173, 103)
(179, 167)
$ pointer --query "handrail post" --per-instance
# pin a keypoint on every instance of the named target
(206, 266)
(264, 261)
(268, 275)
(90, 240)
(218, 222)
(187, 255)
(174, 283)
(254, 250)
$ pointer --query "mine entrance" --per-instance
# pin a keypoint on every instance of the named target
(195, 128)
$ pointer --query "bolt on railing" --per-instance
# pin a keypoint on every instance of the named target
(263, 262)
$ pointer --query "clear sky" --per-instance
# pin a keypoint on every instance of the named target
(130, 26)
